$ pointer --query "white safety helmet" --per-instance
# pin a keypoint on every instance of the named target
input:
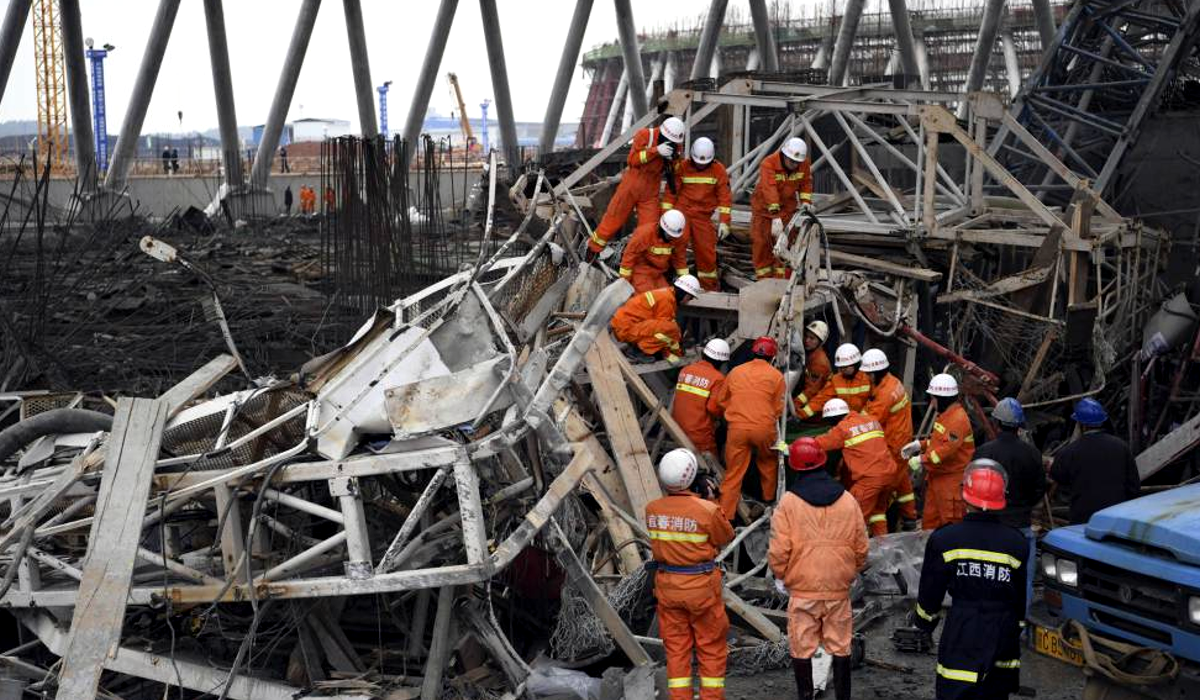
(677, 470)
(819, 329)
(703, 150)
(672, 222)
(672, 129)
(689, 284)
(847, 354)
(717, 349)
(835, 408)
(874, 360)
(795, 149)
(942, 385)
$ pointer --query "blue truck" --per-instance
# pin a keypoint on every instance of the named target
(1131, 574)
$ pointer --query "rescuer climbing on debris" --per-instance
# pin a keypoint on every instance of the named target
(649, 320)
(694, 406)
(784, 185)
(656, 248)
(702, 188)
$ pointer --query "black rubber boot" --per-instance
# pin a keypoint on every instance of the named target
(804, 683)
(841, 677)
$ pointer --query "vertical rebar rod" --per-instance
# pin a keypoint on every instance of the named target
(562, 79)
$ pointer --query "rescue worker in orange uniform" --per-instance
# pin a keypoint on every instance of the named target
(694, 406)
(654, 248)
(686, 533)
(783, 178)
(868, 464)
(848, 384)
(817, 548)
(640, 183)
(702, 187)
(648, 320)
(751, 400)
(890, 406)
(817, 369)
(944, 455)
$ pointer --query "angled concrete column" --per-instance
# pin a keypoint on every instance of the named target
(707, 50)
(429, 69)
(633, 56)
(1044, 17)
(985, 42)
(845, 41)
(504, 108)
(562, 79)
(768, 52)
(904, 36)
(614, 109)
(218, 55)
(752, 60)
(923, 62)
(1012, 66)
(139, 101)
(77, 94)
(715, 66)
(284, 90)
(657, 64)
(360, 65)
(669, 72)
(15, 18)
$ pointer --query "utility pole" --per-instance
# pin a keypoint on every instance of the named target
(99, 120)
(383, 91)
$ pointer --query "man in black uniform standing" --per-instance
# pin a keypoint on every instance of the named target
(981, 562)
(1097, 470)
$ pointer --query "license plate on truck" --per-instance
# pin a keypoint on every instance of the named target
(1050, 642)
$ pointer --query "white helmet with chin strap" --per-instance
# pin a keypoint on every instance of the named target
(847, 354)
(874, 360)
(795, 149)
(672, 222)
(703, 150)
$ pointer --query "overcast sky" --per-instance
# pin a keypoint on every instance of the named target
(397, 36)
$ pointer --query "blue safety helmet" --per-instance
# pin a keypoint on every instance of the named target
(1009, 412)
(1089, 412)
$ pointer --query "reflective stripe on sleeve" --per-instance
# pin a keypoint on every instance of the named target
(807, 411)
(924, 615)
(724, 210)
(1009, 663)
(907, 498)
(668, 205)
(624, 271)
(933, 457)
(982, 555)
(869, 435)
(688, 388)
(802, 398)
(668, 536)
(955, 674)
(650, 298)
(711, 682)
(760, 271)
(969, 438)
(681, 271)
(707, 275)
(643, 156)
(899, 404)
(939, 427)
(772, 207)
(670, 342)
(598, 240)
(880, 518)
(679, 682)
(805, 197)
(661, 249)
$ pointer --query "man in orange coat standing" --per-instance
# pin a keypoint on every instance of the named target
(648, 320)
(702, 187)
(654, 248)
(849, 384)
(686, 533)
(751, 399)
(695, 406)
(870, 468)
(783, 178)
(817, 369)
(817, 548)
(890, 406)
(944, 456)
(640, 183)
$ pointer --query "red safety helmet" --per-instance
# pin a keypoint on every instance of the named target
(984, 484)
(805, 454)
(765, 347)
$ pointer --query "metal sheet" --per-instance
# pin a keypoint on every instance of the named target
(437, 403)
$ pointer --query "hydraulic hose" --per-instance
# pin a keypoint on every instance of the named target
(59, 421)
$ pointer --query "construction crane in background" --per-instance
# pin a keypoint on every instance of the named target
(464, 120)
(49, 64)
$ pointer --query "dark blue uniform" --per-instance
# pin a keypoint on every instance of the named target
(982, 563)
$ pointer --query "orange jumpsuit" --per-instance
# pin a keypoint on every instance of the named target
(854, 392)
(648, 321)
(890, 406)
(647, 257)
(695, 406)
(869, 463)
(945, 455)
(817, 371)
(638, 189)
(698, 192)
(751, 399)
(686, 533)
(775, 198)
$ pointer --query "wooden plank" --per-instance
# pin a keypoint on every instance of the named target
(1005, 285)
(1172, 446)
(112, 547)
(752, 616)
(1035, 367)
(620, 421)
(197, 383)
(914, 273)
(440, 647)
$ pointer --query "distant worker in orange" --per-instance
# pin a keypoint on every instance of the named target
(817, 369)
(944, 455)
(686, 533)
(784, 183)
(869, 467)
(640, 183)
(751, 399)
(694, 406)
(890, 406)
(848, 384)
(655, 248)
(817, 548)
(648, 320)
(702, 187)
(330, 200)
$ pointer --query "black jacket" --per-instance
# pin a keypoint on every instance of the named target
(1026, 475)
(1096, 471)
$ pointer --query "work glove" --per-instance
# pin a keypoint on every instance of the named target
(781, 588)
(665, 150)
(776, 227)
(911, 449)
(722, 231)
(914, 463)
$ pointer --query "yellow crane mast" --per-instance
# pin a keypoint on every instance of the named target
(464, 121)
(51, 84)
